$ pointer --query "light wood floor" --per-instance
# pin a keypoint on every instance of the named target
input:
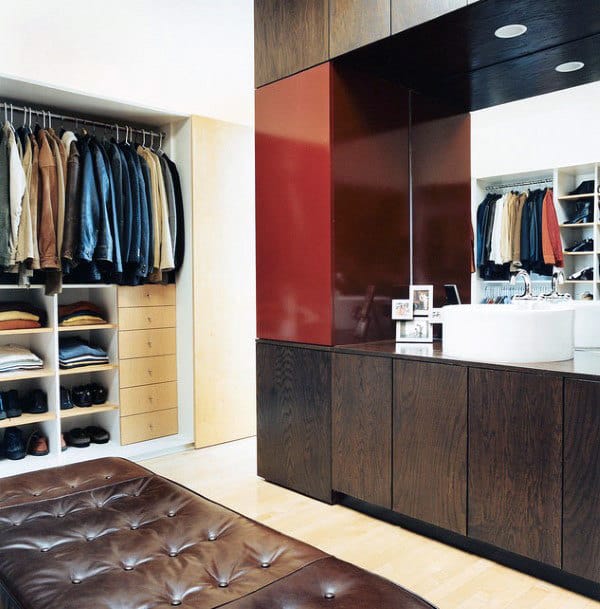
(449, 578)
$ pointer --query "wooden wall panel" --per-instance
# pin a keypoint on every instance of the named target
(354, 23)
(289, 36)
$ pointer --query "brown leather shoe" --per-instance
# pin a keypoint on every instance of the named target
(38, 445)
(63, 444)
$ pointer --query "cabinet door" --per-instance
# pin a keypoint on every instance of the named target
(515, 462)
(581, 516)
(408, 13)
(362, 427)
(354, 23)
(294, 418)
(289, 36)
(430, 443)
(293, 209)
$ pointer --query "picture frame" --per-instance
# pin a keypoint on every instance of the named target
(402, 309)
(422, 297)
(418, 330)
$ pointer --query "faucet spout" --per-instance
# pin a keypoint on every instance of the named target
(524, 275)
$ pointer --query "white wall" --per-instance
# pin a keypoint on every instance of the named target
(183, 56)
(554, 130)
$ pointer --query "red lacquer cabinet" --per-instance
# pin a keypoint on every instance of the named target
(332, 213)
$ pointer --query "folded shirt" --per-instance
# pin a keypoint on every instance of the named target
(82, 320)
(81, 307)
(74, 351)
(16, 357)
(22, 310)
(19, 324)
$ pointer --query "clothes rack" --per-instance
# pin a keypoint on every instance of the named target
(534, 182)
(25, 110)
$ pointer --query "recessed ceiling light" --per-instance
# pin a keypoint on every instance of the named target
(570, 66)
(510, 31)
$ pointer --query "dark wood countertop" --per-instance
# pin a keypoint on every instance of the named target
(585, 364)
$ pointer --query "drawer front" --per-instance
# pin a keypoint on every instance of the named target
(142, 427)
(147, 318)
(148, 398)
(147, 370)
(147, 296)
(146, 343)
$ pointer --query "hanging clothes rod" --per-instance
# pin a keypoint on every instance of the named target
(537, 181)
(10, 108)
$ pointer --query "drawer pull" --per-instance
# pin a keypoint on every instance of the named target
(149, 343)
(149, 371)
(149, 319)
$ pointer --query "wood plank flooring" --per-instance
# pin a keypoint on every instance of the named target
(447, 577)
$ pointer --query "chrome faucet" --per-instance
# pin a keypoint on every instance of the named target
(558, 278)
(526, 295)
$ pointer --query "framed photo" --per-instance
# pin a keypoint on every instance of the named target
(422, 297)
(436, 316)
(418, 330)
(402, 309)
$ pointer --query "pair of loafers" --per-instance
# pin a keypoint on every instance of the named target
(12, 407)
(82, 437)
(83, 396)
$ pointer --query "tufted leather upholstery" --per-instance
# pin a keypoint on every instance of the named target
(109, 534)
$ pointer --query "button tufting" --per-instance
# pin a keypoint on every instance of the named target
(212, 537)
(223, 584)
(61, 515)
(329, 595)
(127, 568)
(90, 538)
(75, 581)
(170, 514)
(265, 565)
(107, 477)
(173, 554)
(45, 549)
(176, 603)
(37, 494)
(134, 527)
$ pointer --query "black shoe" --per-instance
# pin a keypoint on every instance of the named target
(3, 414)
(36, 402)
(65, 399)
(585, 188)
(585, 274)
(11, 404)
(97, 434)
(584, 213)
(77, 438)
(99, 394)
(586, 245)
(14, 446)
(81, 396)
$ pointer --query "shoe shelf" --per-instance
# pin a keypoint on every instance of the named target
(21, 375)
(86, 328)
(27, 419)
(78, 411)
(25, 331)
(87, 369)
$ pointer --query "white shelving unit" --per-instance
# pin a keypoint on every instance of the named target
(563, 180)
(178, 145)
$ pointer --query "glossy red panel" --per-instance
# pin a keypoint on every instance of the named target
(293, 208)
(371, 204)
(441, 161)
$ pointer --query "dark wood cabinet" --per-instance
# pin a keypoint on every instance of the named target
(408, 13)
(362, 428)
(289, 36)
(354, 23)
(581, 510)
(515, 462)
(430, 443)
(294, 418)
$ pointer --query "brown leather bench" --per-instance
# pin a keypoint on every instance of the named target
(108, 534)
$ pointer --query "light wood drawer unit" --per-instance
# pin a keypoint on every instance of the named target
(147, 296)
(146, 318)
(148, 370)
(147, 426)
(148, 398)
(145, 343)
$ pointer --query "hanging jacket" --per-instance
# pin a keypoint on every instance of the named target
(147, 239)
(72, 204)
(60, 156)
(33, 200)
(4, 201)
(17, 185)
(47, 203)
(180, 233)
(551, 240)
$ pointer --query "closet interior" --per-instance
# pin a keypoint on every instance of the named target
(115, 358)
(573, 219)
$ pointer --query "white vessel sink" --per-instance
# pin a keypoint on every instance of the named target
(587, 324)
(522, 333)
